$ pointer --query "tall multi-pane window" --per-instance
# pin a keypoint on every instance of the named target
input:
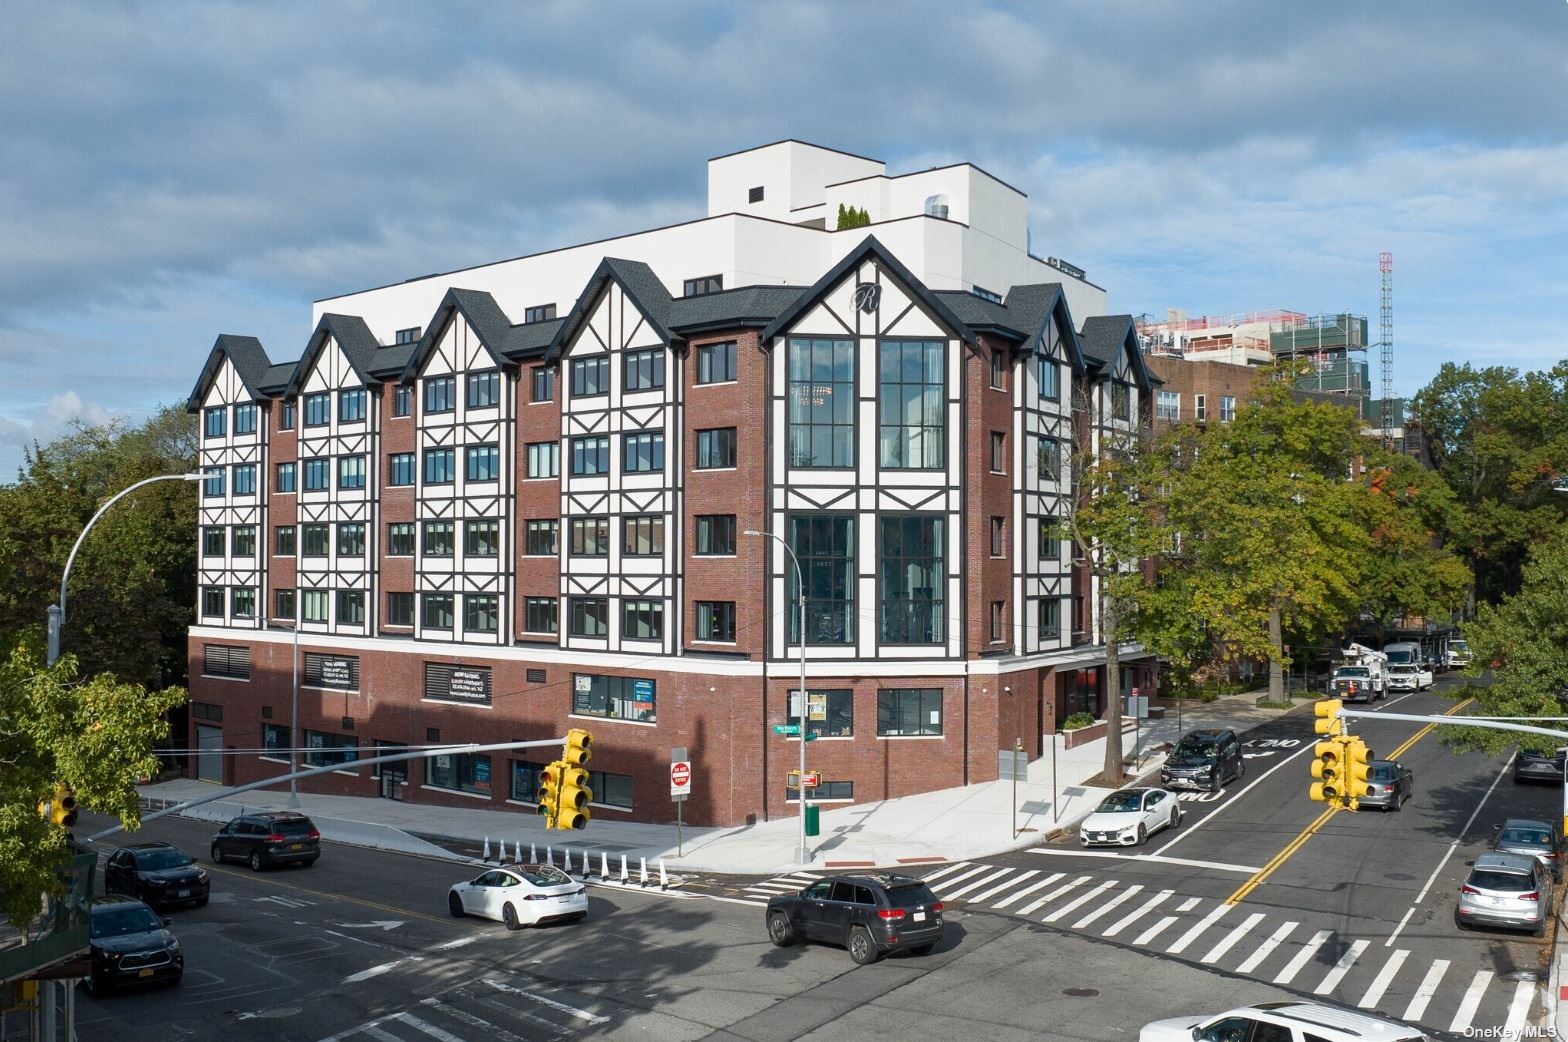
(1050, 609)
(716, 363)
(285, 478)
(351, 406)
(542, 538)
(440, 466)
(313, 605)
(591, 455)
(286, 416)
(440, 393)
(910, 407)
(481, 538)
(821, 397)
(314, 540)
(998, 536)
(484, 389)
(212, 482)
(1167, 405)
(400, 468)
(351, 607)
(318, 474)
(245, 479)
(216, 424)
(590, 376)
(213, 541)
(1199, 407)
(242, 602)
(715, 535)
(283, 541)
(544, 459)
(481, 612)
(1048, 375)
(318, 409)
(400, 609)
(1050, 540)
(642, 452)
(998, 621)
(351, 539)
(998, 370)
(212, 601)
(483, 462)
(911, 580)
(590, 616)
(642, 535)
(539, 615)
(1048, 459)
(590, 537)
(645, 370)
(400, 539)
(436, 610)
(907, 712)
(283, 604)
(1121, 401)
(998, 452)
(439, 538)
(244, 419)
(716, 620)
(1227, 408)
(402, 403)
(715, 448)
(351, 472)
(544, 383)
(825, 546)
(245, 541)
(642, 619)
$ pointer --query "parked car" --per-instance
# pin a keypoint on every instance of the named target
(1204, 759)
(520, 895)
(1410, 676)
(1391, 785)
(1546, 767)
(1533, 838)
(129, 944)
(1127, 817)
(871, 915)
(1281, 1022)
(275, 837)
(158, 873)
(1506, 890)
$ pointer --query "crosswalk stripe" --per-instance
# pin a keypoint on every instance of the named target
(977, 884)
(1467, 1005)
(1131, 917)
(1053, 895)
(1384, 978)
(491, 1031)
(1342, 967)
(947, 884)
(1202, 925)
(1154, 931)
(949, 870)
(1016, 880)
(1189, 904)
(1418, 1002)
(1230, 940)
(1519, 1010)
(439, 1034)
(379, 1035)
(1108, 906)
(1293, 967)
(1026, 891)
(1079, 901)
(774, 888)
(1266, 948)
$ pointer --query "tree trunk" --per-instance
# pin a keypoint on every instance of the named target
(1110, 632)
(1276, 656)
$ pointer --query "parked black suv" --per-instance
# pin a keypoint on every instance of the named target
(275, 837)
(129, 945)
(158, 873)
(1204, 759)
(871, 915)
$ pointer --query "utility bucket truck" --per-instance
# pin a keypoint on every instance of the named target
(1362, 677)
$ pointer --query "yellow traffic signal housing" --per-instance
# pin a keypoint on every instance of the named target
(578, 748)
(60, 809)
(1328, 720)
(1329, 768)
(550, 792)
(1358, 770)
(574, 799)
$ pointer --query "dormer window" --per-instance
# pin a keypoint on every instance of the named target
(704, 285)
(409, 335)
(538, 313)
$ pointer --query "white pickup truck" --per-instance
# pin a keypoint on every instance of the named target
(1458, 653)
(1362, 678)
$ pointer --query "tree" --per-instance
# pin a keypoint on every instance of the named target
(95, 736)
(851, 217)
(1408, 570)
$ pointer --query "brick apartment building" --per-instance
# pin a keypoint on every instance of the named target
(513, 499)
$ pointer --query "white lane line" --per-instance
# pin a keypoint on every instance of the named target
(1230, 940)
(434, 1032)
(1218, 866)
(949, 870)
(1519, 1010)
(1342, 967)
(1189, 904)
(1195, 826)
(1015, 881)
(580, 1014)
(1418, 1002)
(379, 1035)
(1472, 1000)
(517, 1013)
(1384, 978)
(1026, 891)
(1266, 948)
(1108, 906)
(1310, 949)
(494, 1032)
(953, 895)
(1053, 895)
(946, 884)
(1079, 902)
(1198, 928)
(1154, 931)
(459, 943)
(376, 971)
(1144, 909)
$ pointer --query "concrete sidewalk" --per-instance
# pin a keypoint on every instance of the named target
(965, 823)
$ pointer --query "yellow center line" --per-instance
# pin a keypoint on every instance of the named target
(1307, 833)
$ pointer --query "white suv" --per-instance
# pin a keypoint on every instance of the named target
(1280, 1022)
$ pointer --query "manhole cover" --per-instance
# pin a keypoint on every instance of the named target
(1080, 993)
(1399, 876)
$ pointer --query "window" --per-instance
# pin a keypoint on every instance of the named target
(217, 422)
(825, 790)
(902, 712)
(212, 483)
(275, 739)
(525, 781)
(702, 286)
(642, 619)
(314, 541)
(998, 452)
(245, 541)
(351, 539)
(351, 406)
(1167, 405)
(400, 609)
(754, 195)
(318, 409)
(1050, 609)
(1227, 409)
(212, 601)
(242, 602)
(481, 612)
(407, 336)
(911, 580)
(400, 468)
(245, 480)
(715, 535)
(439, 538)
(484, 389)
(910, 407)
(716, 363)
(539, 615)
(400, 539)
(645, 369)
(591, 455)
(998, 370)
(285, 478)
(986, 294)
(437, 610)
(590, 376)
(440, 466)
(539, 313)
(998, 621)
(1050, 543)
(544, 459)
(323, 749)
(1199, 407)
(440, 393)
(286, 416)
(642, 535)
(1049, 377)
(1048, 459)
(351, 472)
(464, 772)
(544, 383)
(611, 790)
(590, 537)
(402, 400)
(244, 419)
(542, 539)
(283, 604)
(821, 396)
(214, 541)
(483, 462)
(283, 541)
(825, 547)
(642, 452)
(619, 698)
(481, 538)
(318, 474)
(716, 620)
(351, 607)
(590, 616)
(715, 448)
(1121, 402)
(998, 536)
(829, 714)
(313, 605)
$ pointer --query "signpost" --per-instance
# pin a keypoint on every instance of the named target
(793, 731)
(1012, 763)
(680, 788)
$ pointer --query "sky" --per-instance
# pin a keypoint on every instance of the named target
(173, 171)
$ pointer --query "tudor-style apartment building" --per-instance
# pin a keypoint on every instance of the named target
(497, 503)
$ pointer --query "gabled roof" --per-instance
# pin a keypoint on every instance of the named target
(1104, 336)
(869, 248)
(250, 362)
(532, 339)
(354, 339)
(277, 377)
(981, 315)
(1043, 302)
(732, 308)
(483, 315)
(390, 360)
(641, 286)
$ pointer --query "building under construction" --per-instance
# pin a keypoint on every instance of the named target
(1336, 345)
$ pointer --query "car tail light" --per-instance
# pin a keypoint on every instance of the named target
(891, 914)
(313, 834)
(937, 907)
(1534, 895)
(1468, 889)
(535, 897)
(277, 837)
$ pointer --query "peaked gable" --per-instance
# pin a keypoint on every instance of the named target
(1105, 336)
(641, 286)
(250, 362)
(354, 339)
(483, 315)
(1040, 303)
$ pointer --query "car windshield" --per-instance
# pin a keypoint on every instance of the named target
(1117, 802)
(1525, 838)
(1353, 671)
(1192, 745)
(153, 860)
(910, 897)
(1513, 882)
(123, 919)
(1402, 669)
(292, 826)
(1382, 772)
(544, 875)
(1458, 645)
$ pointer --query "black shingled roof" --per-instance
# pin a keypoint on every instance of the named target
(640, 284)
(483, 315)
(742, 306)
(354, 339)
(250, 362)
(277, 377)
(532, 339)
(1104, 336)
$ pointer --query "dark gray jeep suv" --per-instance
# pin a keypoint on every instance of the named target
(871, 915)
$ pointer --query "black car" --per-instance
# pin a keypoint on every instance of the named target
(1204, 759)
(130, 945)
(1546, 767)
(158, 873)
(276, 837)
(871, 915)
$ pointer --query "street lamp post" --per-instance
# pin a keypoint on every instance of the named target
(800, 586)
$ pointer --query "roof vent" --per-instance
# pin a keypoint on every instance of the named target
(936, 206)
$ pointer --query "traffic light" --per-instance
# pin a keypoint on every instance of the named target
(1358, 770)
(578, 748)
(1329, 768)
(550, 792)
(60, 809)
(574, 799)
(1327, 713)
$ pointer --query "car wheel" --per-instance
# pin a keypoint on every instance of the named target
(921, 949)
(509, 917)
(217, 855)
(454, 904)
(1175, 818)
(1214, 782)
(1540, 931)
(1143, 834)
(255, 861)
(861, 948)
(780, 930)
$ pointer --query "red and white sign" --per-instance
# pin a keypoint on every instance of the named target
(810, 779)
(680, 778)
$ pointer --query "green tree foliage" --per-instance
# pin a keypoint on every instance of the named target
(1409, 572)
(94, 735)
(851, 217)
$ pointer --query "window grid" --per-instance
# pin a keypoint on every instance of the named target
(591, 455)
(440, 394)
(821, 403)
(715, 535)
(439, 539)
(590, 616)
(642, 619)
(542, 539)
(481, 538)
(642, 535)
(825, 547)
(400, 539)
(644, 370)
(484, 390)
(544, 459)
(911, 579)
(911, 406)
(642, 452)
(716, 363)
(283, 541)
(590, 537)
(715, 448)
(716, 621)
(590, 376)
(539, 615)
(908, 712)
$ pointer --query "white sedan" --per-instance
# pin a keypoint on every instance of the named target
(520, 895)
(1410, 677)
(1127, 817)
